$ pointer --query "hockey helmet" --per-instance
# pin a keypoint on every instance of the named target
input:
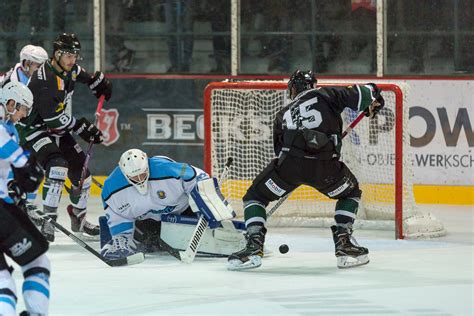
(67, 43)
(134, 165)
(19, 93)
(301, 81)
(33, 53)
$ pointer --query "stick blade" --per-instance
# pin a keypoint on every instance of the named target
(187, 256)
(130, 260)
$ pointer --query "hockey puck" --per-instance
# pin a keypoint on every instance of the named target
(283, 248)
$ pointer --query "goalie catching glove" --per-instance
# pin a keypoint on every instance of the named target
(100, 85)
(378, 101)
(87, 131)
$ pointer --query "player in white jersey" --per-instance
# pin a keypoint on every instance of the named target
(142, 190)
(19, 238)
(31, 58)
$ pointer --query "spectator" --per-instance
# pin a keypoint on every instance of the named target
(122, 56)
(363, 20)
(219, 14)
(179, 16)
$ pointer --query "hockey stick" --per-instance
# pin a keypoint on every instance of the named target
(188, 255)
(344, 134)
(94, 180)
(89, 149)
(133, 259)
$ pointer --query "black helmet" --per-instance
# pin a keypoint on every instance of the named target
(68, 43)
(301, 80)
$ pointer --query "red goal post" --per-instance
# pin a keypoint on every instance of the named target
(237, 120)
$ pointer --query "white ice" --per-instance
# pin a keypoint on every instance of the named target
(404, 277)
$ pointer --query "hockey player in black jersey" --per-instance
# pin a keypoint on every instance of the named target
(47, 131)
(307, 141)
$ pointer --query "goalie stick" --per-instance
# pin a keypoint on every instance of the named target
(189, 254)
(344, 134)
(133, 259)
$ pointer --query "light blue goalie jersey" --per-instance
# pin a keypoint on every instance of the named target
(169, 184)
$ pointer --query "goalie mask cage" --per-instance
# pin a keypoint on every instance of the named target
(238, 121)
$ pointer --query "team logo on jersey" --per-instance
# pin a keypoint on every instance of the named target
(161, 194)
(108, 126)
(60, 107)
(20, 247)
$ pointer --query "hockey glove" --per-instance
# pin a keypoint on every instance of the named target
(379, 102)
(100, 85)
(87, 131)
(29, 176)
(16, 193)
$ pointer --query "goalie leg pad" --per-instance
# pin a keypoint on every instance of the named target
(206, 198)
(176, 231)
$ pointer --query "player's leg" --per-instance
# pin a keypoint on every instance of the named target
(27, 247)
(77, 210)
(8, 298)
(55, 166)
(268, 186)
(337, 182)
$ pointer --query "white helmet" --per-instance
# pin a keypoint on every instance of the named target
(134, 165)
(33, 53)
(17, 92)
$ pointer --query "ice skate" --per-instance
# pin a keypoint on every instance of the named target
(79, 224)
(348, 253)
(251, 256)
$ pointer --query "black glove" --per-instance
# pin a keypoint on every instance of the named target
(29, 176)
(16, 193)
(100, 85)
(376, 94)
(87, 131)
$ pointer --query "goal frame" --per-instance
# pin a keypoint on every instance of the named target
(256, 85)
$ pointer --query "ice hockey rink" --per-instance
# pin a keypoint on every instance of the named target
(405, 277)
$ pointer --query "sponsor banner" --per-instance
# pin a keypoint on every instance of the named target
(441, 128)
(165, 117)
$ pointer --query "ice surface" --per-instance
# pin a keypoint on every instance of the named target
(405, 277)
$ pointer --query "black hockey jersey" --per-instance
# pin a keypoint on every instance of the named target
(52, 93)
(318, 110)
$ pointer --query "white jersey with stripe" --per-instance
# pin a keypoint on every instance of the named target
(11, 154)
(169, 185)
(15, 74)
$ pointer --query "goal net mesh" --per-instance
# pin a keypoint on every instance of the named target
(239, 119)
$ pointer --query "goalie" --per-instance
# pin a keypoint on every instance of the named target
(148, 199)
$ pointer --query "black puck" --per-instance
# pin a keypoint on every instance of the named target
(283, 248)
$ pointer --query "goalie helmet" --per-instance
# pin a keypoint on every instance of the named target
(134, 165)
(67, 43)
(33, 53)
(301, 81)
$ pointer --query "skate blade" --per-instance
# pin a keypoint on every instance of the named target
(86, 237)
(237, 265)
(346, 262)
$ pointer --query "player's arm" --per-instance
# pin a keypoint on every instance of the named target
(97, 82)
(365, 98)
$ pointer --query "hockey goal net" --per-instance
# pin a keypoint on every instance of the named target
(238, 120)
